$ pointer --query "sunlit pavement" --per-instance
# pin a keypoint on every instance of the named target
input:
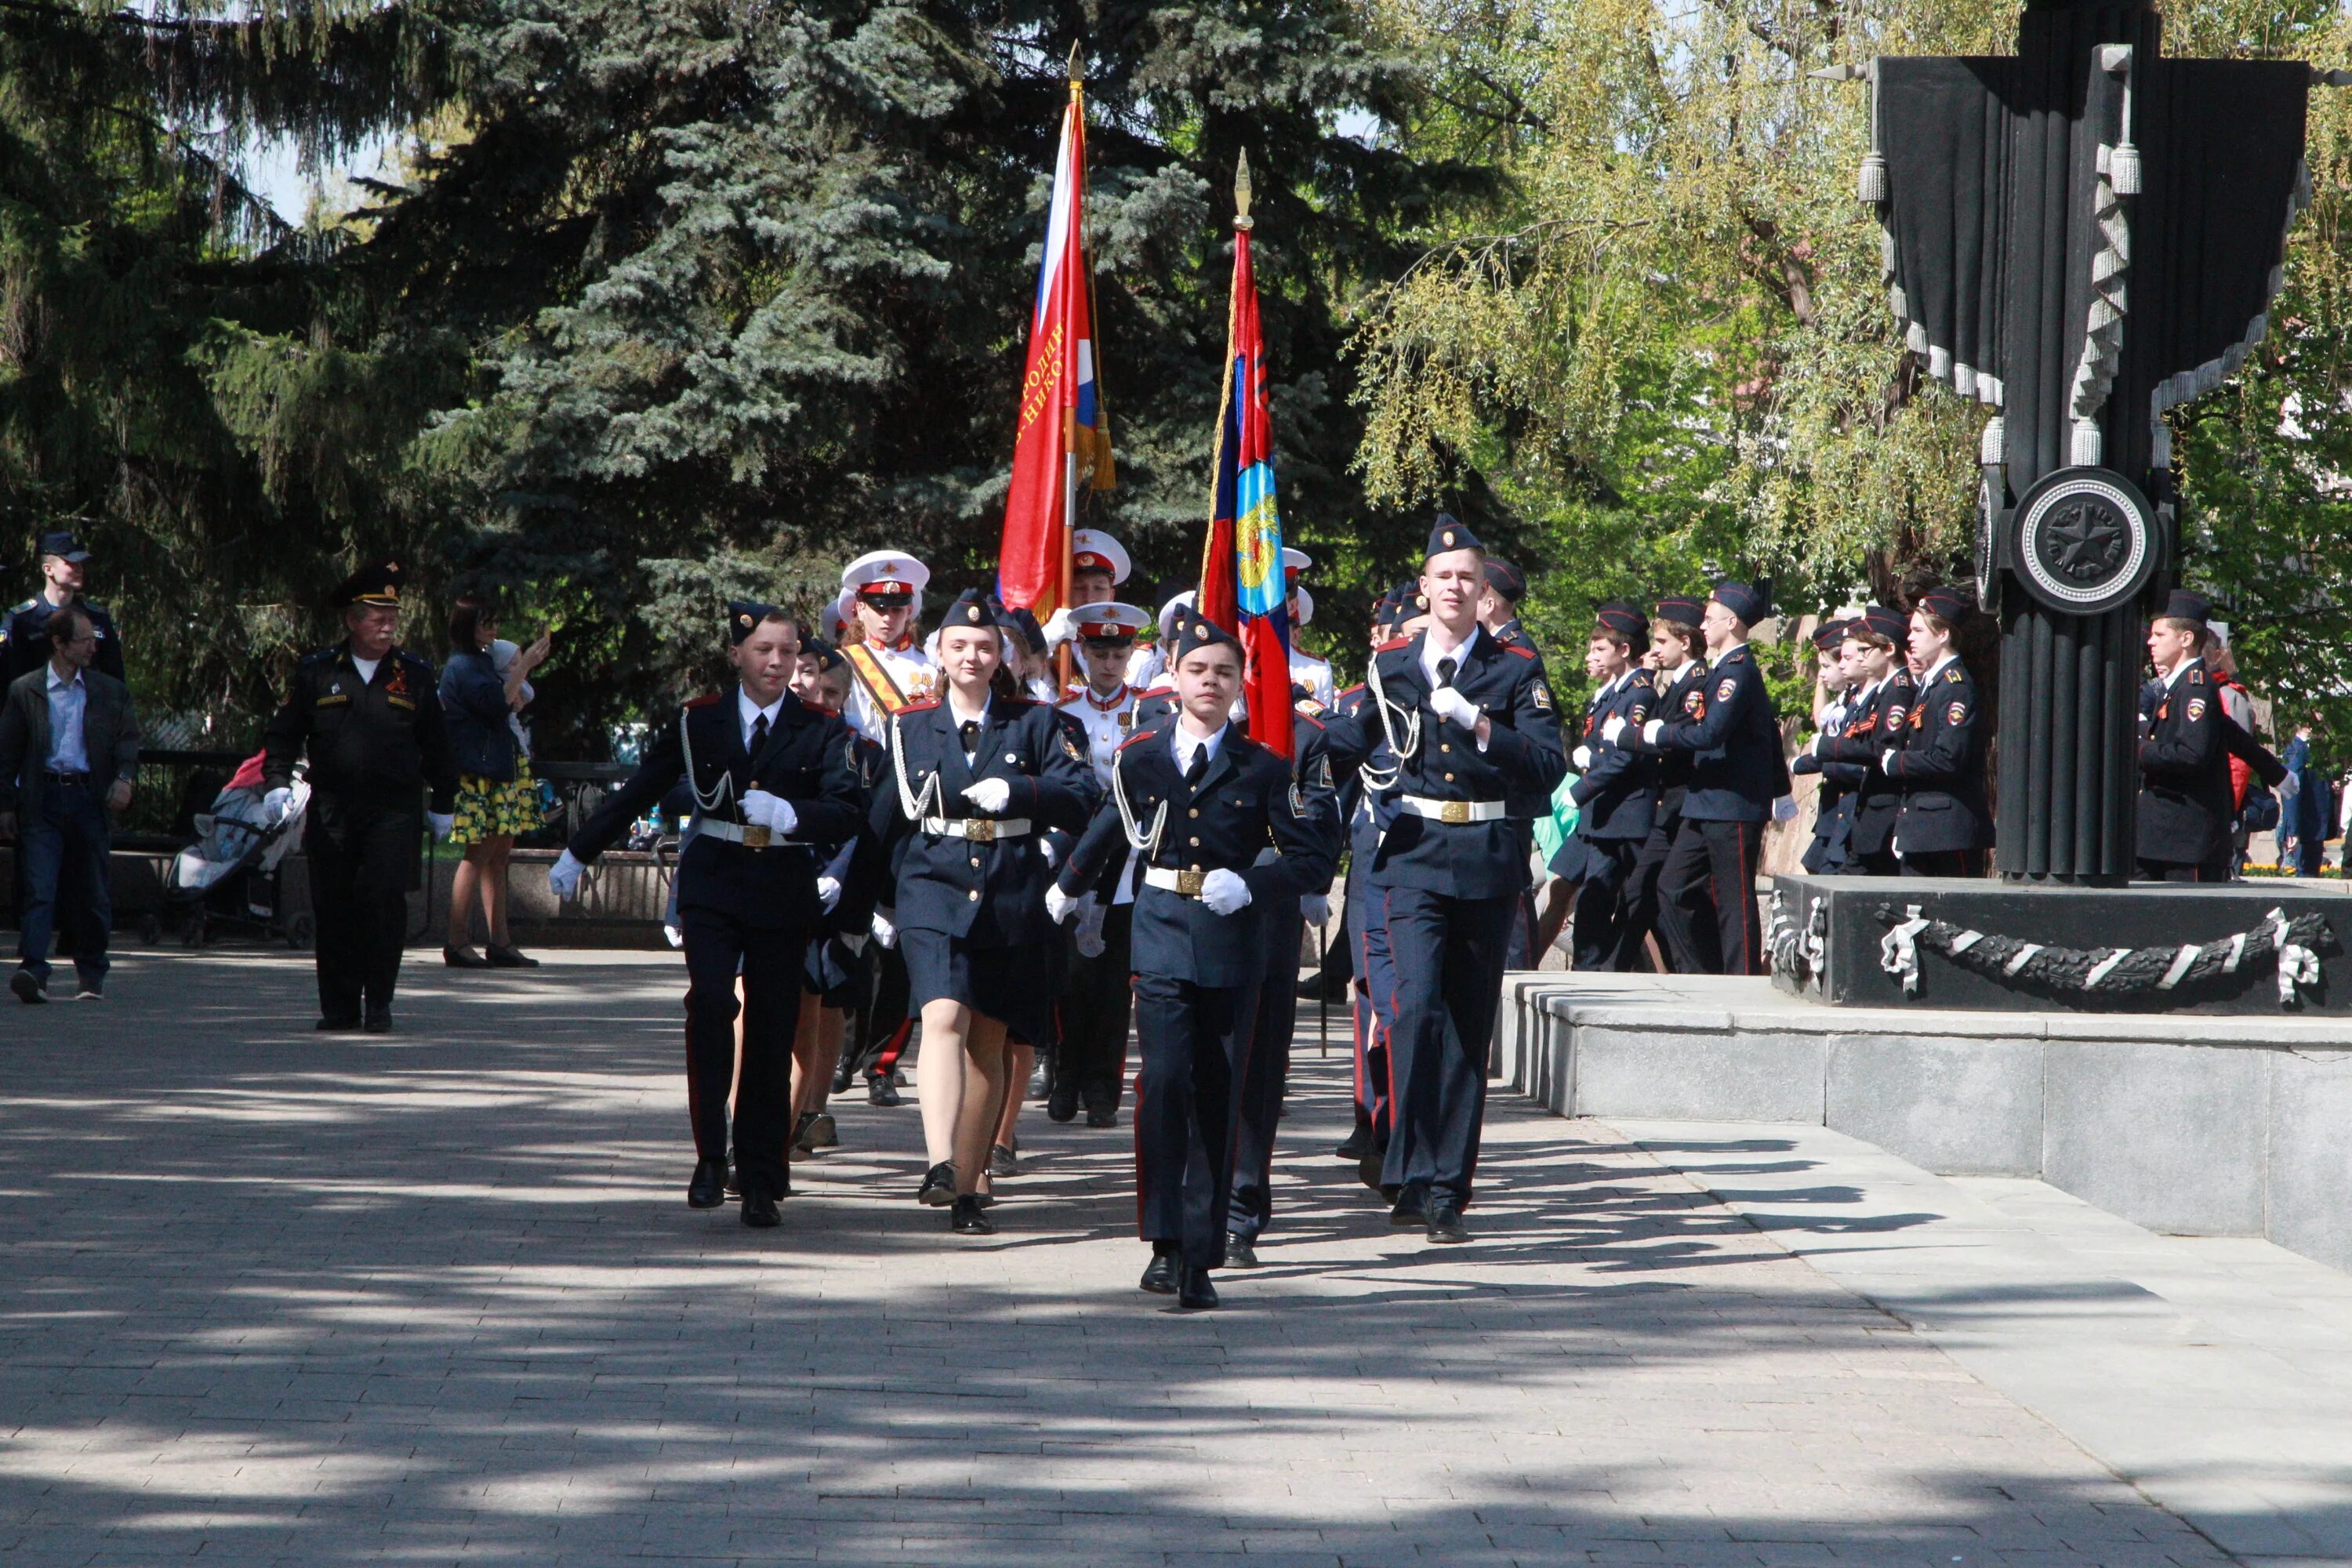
(435, 1297)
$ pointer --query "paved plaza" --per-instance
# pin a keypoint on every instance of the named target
(274, 1296)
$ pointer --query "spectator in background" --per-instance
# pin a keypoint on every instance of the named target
(2304, 819)
(497, 798)
(2239, 704)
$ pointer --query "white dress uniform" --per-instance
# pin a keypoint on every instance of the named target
(1315, 674)
(910, 669)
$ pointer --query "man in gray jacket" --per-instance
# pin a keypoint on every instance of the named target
(69, 743)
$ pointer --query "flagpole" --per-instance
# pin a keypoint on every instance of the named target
(1065, 661)
(1243, 223)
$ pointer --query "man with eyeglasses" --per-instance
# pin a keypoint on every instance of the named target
(69, 739)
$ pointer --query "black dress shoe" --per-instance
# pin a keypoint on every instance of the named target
(336, 1026)
(734, 1178)
(1239, 1252)
(378, 1021)
(1102, 1117)
(1159, 1278)
(462, 958)
(1061, 1106)
(1411, 1210)
(1359, 1144)
(707, 1190)
(969, 1219)
(28, 986)
(1445, 1224)
(800, 1129)
(843, 1076)
(760, 1211)
(882, 1092)
(938, 1190)
(821, 1133)
(1194, 1292)
(1369, 1168)
(506, 955)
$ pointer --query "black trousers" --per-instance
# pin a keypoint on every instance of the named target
(1638, 915)
(1448, 954)
(884, 1013)
(363, 860)
(1195, 1041)
(719, 947)
(1707, 898)
(1091, 1060)
(1602, 902)
(1264, 1083)
(1944, 863)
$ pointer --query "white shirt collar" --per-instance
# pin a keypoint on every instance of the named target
(56, 680)
(1188, 743)
(747, 712)
(1431, 652)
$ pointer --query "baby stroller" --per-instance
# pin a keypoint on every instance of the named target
(228, 877)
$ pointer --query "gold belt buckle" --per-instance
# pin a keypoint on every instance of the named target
(980, 830)
(1189, 883)
(755, 835)
(1454, 811)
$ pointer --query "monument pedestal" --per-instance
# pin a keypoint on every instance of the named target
(1978, 945)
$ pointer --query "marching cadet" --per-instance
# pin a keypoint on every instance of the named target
(1939, 762)
(976, 776)
(1675, 671)
(369, 715)
(885, 652)
(1498, 612)
(25, 634)
(1090, 1060)
(1834, 687)
(1323, 757)
(837, 975)
(1616, 791)
(1707, 885)
(1468, 721)
(2186, 800)
(1197, 800)
(772, 785)
(1877, 713)
(1309, 676)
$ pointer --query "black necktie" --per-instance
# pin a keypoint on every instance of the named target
(1196, 767)
(1445, 668)
(758, 732)
(969, 731)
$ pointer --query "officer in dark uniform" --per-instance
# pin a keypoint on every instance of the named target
(772, 782)
(1878, 715)
(1737, 773)
(1938, 763)
(1198, 801)
(25, 634)
(1675, 671)
(1325, 758)
(1466, 721)
(2186, 802)
(1834, 803)
(1616, 790)
(369, 715)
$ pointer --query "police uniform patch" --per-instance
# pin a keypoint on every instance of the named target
(2196, 709)
(1297, 802)
(1541, 693)
(1957, 714)
(1725, 689)
(1640, 714)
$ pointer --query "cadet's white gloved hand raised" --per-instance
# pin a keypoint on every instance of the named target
(1448, 704)
(1582, 756)
(1056, 628)
(1091, 928)
(990, 796)
(828, 893)
(1058, 904)
(443, 823)
(276, 804)
(1317, 907)
(1611, 728)
(563, 877)
(1224, 891)
(884, 932)
(772, 812)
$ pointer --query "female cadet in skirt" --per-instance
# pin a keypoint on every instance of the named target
(975, 777)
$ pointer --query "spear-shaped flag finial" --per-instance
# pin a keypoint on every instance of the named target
(1078, 72)
(1242, 218)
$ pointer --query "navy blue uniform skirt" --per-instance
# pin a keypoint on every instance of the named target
(1012, 984)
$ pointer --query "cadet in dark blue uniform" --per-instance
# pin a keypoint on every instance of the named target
(1616, 790)
(1373, 992)
(977, 775)
(1468, 721)
(25, 634)
(1877, 715)
(772, 786)
(1938, 763)
(837, 975)
(2186, 800)
(369, 715)
(1324, 759)
(1675, 671)
(1707, 885)
(1199, 802)
(1833, 692)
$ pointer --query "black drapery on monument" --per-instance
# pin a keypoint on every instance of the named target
(2081, 235)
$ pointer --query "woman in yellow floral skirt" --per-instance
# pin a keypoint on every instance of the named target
(497, 796)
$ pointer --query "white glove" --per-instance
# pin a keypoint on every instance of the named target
(990, 796)
(1612, 728)
(1785, 809)
(276, 804)
(1582, 756)
(1448, 704)
(1090, 930)
(773, 811)
(443, 823)
(1317, 907)
(1058, 904)
(1045, 847)
(1816, 747)
(1058, 627)
(563, 877)
(1224, 891)
(884, 932)
(1650, 731)
(828, 893)
(1887, 761)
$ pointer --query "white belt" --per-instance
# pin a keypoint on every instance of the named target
(756, 836)
(978, 829)
(1184, 883)
(1453, 810)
